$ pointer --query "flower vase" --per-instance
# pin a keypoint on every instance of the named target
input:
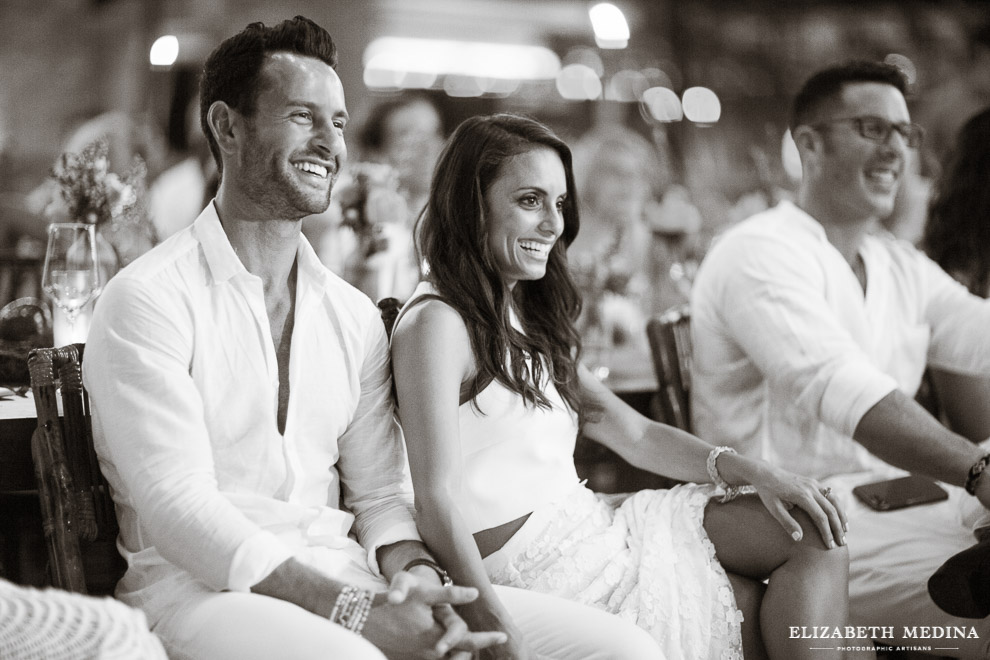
(63, 332)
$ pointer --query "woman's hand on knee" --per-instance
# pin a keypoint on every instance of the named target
(782, 491)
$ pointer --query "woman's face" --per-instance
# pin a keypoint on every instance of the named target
(524, 213)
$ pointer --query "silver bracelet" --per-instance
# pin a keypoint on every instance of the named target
(729, 492)
(351, 608)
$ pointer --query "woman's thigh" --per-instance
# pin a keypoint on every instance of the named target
(245, 626)
(565, 630)
(750, 542)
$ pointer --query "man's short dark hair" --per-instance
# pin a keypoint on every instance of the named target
(826, 86)
(232, 73)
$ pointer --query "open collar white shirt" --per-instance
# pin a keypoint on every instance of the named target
(183, 378)
(789, 354)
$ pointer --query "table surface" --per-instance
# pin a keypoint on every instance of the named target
(18, 407)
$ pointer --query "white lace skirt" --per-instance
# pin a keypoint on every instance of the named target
(645, 557)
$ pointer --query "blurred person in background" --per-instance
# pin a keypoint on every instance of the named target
(179, 193)
(811, 331)
(406, 132)
(633, 256)
(957, 237)
(367, 236)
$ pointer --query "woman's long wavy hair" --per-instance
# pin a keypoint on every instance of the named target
(454, 241)
(957, 234)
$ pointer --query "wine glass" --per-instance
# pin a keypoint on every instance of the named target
(71, 275)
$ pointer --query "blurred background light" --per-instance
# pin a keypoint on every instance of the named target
(579, 82)
(701, 105)
(789, 156)
(460, 86)
(435, 57)
(610, 26)
(626, 86)
(586, 56)
(165, 50)
(662, 104)
(905, 65)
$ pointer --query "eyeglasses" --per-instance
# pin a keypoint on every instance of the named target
(878, 129)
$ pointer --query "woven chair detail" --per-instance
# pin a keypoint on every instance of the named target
(669, 335)
(77, 512)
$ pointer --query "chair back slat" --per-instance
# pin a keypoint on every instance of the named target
(390, 311)
(669, 335)
(79, 519)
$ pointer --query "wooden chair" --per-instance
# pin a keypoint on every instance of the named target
(669, 335)
(78, 516)
(390, 311)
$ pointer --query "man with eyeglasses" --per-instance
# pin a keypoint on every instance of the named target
(812, 329)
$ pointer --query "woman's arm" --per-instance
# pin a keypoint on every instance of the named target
(670, 452)
(431, 357)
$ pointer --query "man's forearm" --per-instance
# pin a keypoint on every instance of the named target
(396, 556)
(902, 433)
(301, 585)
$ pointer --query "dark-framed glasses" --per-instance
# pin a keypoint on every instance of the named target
(878, 129)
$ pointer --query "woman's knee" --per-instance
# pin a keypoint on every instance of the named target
(812, 545)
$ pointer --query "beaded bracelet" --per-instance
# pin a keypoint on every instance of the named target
(975, 473)
(351, 608)
(730, 492)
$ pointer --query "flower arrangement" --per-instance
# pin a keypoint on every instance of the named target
(91, 193)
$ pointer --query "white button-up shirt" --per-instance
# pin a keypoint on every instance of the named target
(183, 378)
(789, 354)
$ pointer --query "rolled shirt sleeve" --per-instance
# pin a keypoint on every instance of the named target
(372, 458)
(778, 314)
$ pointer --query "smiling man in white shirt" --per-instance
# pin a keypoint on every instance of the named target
(242, 405)
(811, 333)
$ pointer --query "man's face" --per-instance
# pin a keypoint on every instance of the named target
(860, 175)
(293, 147)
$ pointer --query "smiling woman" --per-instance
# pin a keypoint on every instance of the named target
(491, 398)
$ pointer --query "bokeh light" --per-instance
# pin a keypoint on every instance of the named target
(662, 104)
(701, 105)
(165, 50)
(578, 82)
(609, 24)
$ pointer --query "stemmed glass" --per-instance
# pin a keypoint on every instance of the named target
(71, 275)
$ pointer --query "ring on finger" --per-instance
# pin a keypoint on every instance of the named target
(826, 491)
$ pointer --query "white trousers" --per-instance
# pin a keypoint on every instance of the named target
(240, 626)
(891, 556)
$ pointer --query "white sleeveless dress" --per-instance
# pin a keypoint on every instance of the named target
(643, 556)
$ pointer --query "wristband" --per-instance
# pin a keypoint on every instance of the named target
(975, 473)
(423, 561)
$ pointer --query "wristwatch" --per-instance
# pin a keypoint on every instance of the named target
(442, 574)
